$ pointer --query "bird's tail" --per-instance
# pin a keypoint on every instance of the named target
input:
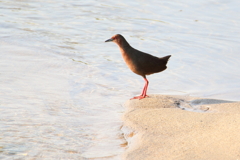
(166, 58)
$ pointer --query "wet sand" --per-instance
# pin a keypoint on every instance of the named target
(181, 127)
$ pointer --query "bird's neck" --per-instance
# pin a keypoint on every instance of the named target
(127, 53)
(124, 47)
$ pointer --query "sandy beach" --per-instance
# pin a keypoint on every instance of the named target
(181, 127)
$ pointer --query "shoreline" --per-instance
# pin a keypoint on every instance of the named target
(181, 127)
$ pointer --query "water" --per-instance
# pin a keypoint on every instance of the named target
(62, 88)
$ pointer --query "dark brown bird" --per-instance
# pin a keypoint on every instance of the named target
(139, 62)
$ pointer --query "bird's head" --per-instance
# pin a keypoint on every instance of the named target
(116, 38)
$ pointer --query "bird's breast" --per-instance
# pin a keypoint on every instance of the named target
(129, 60)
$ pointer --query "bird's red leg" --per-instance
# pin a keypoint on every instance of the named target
(145, 88)
(144, 92)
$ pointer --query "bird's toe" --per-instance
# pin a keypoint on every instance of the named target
(139, 97)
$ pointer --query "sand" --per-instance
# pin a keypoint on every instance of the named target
(182, 128)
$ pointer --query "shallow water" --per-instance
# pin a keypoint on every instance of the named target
(62, 88)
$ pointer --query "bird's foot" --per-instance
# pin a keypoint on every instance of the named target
(140, 97)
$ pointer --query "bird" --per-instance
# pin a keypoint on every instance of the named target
(139, 62)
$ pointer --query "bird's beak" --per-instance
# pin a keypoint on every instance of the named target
(109, 40)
